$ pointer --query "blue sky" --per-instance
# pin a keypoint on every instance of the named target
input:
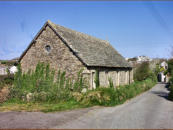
(132, 27)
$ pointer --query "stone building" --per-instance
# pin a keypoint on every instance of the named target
(69, 50)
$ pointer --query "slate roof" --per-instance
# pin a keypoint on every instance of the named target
(92, 51)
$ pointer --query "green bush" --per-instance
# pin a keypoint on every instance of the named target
(3, 62)
(143, 72)
(113, 96)
(44, 86)
(170, 66)
(9, 62)
(170, 71)
(157, 69)
(170, 95)
(6, 80)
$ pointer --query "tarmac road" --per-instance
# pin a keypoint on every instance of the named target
(148, 110)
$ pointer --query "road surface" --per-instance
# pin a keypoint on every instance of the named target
(148, 110)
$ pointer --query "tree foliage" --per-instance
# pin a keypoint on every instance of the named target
(170, 66)
(143, 72)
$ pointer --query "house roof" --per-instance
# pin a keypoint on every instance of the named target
(90, 50)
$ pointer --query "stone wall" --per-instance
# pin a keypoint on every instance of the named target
(119, 76)
(59, 56)
(131, 76)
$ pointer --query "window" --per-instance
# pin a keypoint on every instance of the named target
(47, 48)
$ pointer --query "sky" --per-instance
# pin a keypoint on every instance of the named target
(133, 28)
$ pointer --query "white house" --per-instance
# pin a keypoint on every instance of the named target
(13, 69)
(3, 70)
(164, 65)
(161, 76)
(143, 59)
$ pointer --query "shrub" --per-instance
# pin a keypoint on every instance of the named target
(157, 69)
(79, 82)
(143, 72)
(170, 95)
(44, 85)
(3, 62)
(9, 62)
(113, 96)
(94, 97)
(170, 66)
(170, 71)
(6, 80)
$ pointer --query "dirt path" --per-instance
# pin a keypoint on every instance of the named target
(148, 110)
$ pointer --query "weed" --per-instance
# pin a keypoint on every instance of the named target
(111, 85)
(112, 96)
(97, 82)
(43, 86)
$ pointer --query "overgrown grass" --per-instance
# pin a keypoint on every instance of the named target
(6, 80)
(43, 86)
(114, 96)
(48, 92)
(100, 96)
(12, 105)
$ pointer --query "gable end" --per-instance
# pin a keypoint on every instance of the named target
(38, 34)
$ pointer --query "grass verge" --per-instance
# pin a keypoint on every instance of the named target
(36, 107)
(100, 96)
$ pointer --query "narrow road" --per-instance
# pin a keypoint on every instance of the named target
(148, 110)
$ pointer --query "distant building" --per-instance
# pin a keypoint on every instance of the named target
(162, 77)
(138, 60)
(141, 59)
(8, 66)
(164, 65)
(154, 63)
(3, 70)
(13, 70)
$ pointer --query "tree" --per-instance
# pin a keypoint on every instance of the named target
(170, 71)
(170, 66)
(142, 72)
